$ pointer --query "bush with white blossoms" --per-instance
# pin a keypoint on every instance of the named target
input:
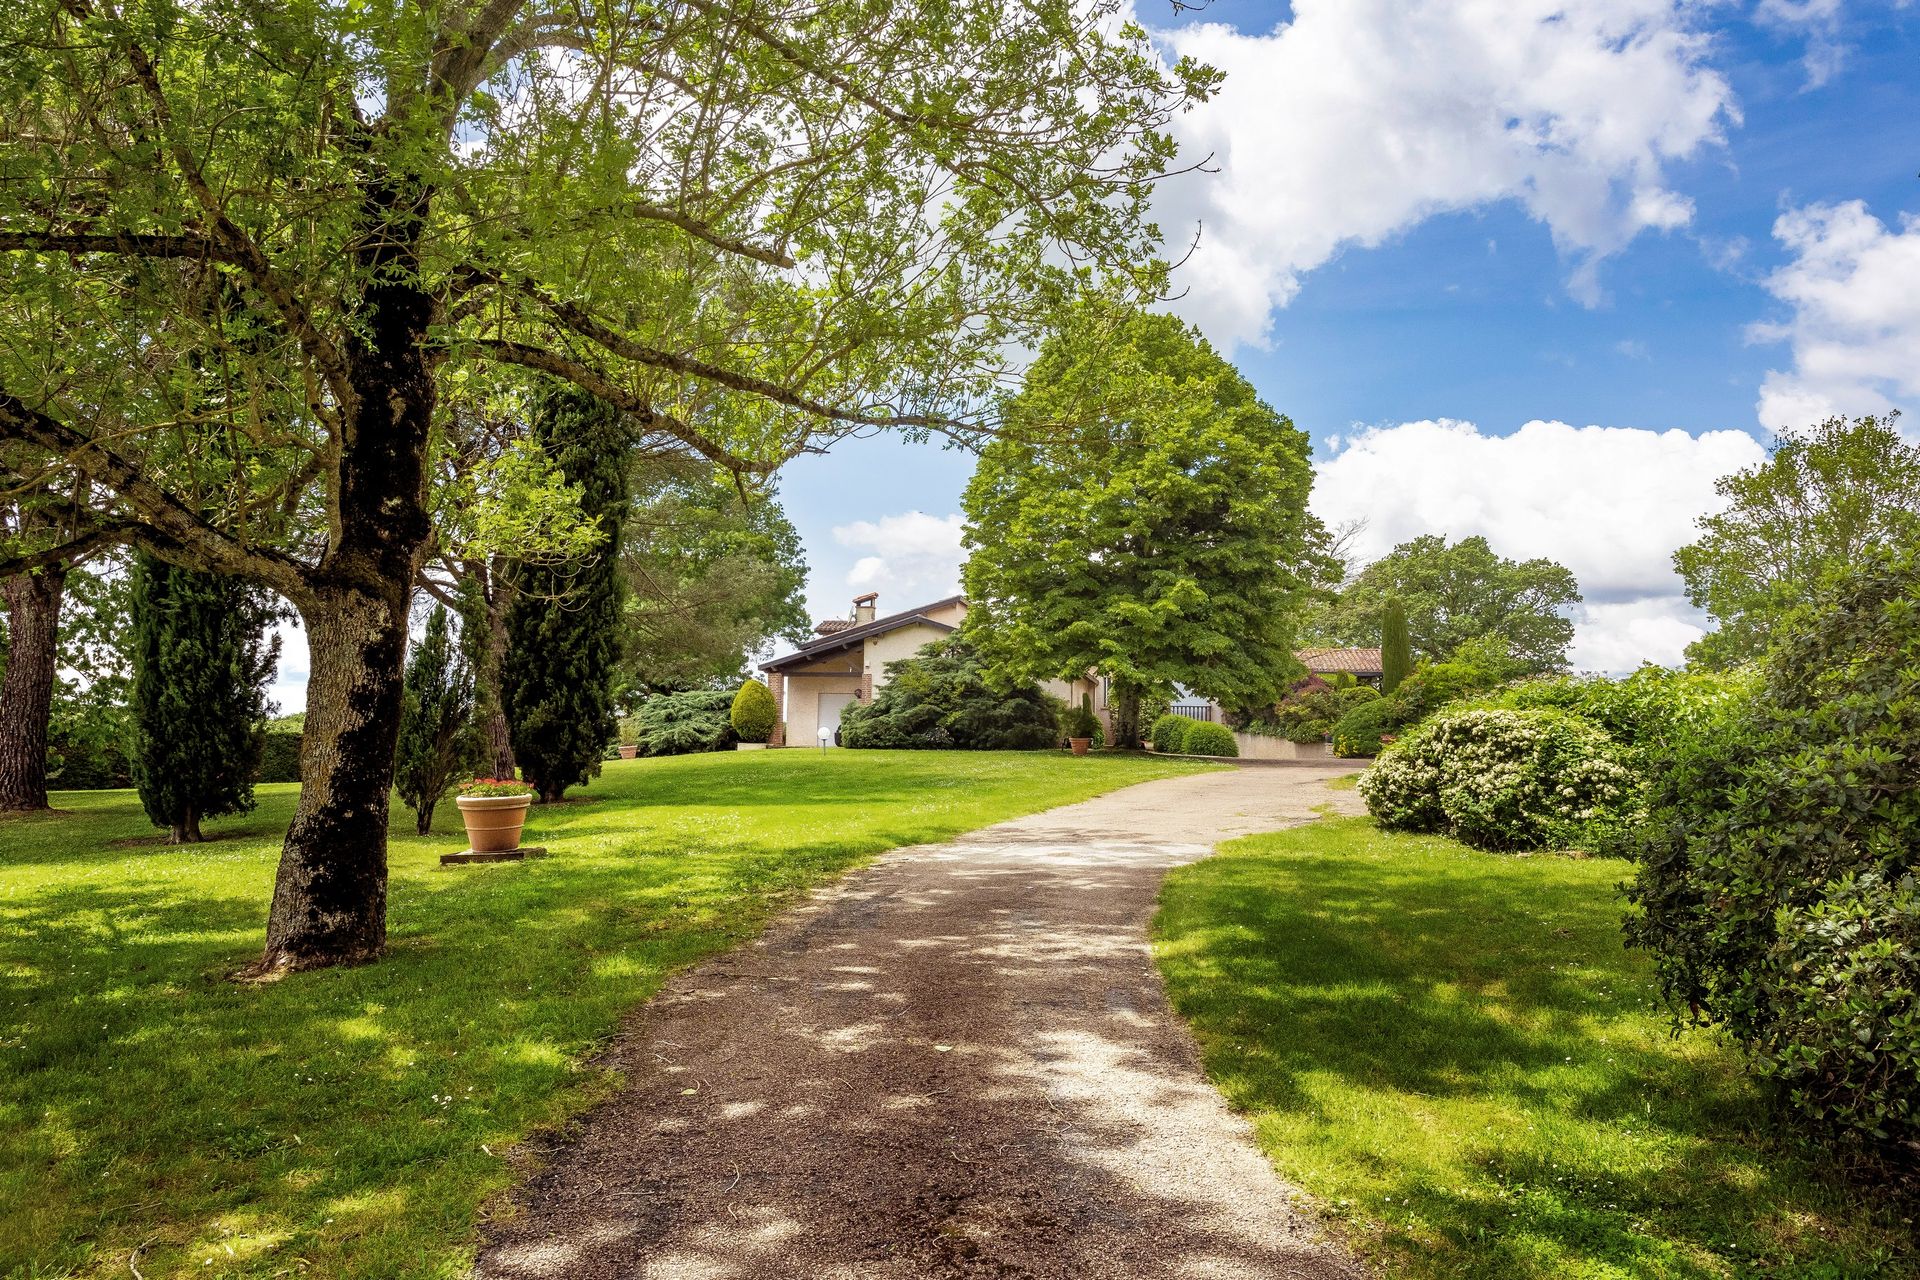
(1509, 780)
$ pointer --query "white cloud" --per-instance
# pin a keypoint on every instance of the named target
(1361, 118)
(1819, 21)
(1610, 503)
(1854, 287)
(914, 557)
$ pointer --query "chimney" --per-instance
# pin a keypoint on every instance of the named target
(863, 607)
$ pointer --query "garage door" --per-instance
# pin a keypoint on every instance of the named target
(831, 705)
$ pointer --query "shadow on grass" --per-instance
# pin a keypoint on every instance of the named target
(1455, 1052)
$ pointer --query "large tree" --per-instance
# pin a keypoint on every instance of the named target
(201, 661)
(1144, 515)
(1821, 499)
(752, 227)
(1454, 593)
(556, 682)
(713, 571)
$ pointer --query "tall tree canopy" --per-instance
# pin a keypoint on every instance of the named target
(562, 628)
(1456, 593)
(1145, 515)
(201, 661)
(314, 230)
(1819, 501)
(712, 574)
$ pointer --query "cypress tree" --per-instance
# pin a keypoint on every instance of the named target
(556, 682)
(1396, 651)
(201, 661)
(438, 737)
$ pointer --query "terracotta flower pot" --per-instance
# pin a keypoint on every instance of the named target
(1080, 745)
(628, 750)
(493, 822)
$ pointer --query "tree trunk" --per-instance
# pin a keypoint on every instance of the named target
(498, 738)
(330, 894)
(1126, 717)
(423, 817)
(26, 692)
(186, 830)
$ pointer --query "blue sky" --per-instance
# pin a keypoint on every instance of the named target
(1435, 222)
(1466, 304)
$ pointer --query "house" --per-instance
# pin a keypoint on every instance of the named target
(846, 662)
(1362, 664)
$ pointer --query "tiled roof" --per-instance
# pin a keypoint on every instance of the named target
(844, 637)
(1359, 662)
(830, 625)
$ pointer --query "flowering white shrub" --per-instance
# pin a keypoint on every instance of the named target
(1505, 780)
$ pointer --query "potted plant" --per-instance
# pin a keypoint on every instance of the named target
(494, 810)
(629, 740)
(1081, 727)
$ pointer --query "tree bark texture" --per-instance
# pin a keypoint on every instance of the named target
(330, 894)
(497, 737)
(26, 692)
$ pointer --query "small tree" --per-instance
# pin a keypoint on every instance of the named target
(200, 666)
(1396, 651)
(563, 627)
(438, 738)
(754, 713)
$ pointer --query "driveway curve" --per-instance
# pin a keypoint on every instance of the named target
(958, 1061)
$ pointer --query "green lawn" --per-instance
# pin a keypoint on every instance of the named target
(350, 1123)
(1452, 1052)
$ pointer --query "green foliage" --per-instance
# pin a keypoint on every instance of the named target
(89, 726)
(1205, 738)
(1820, 500)
(1396, 648)
(1169, 733)
(1360, 728)
(754, 713)
(1777, 866)
(1650, 711)
(1080, 722)
(1451, 1053)
(201, 663)
(563, 626)
(711, 573)
(438, 739)
(941, 698)
(1143, 515)
(674, 724)
(1453, 594)
(1505, 780)
(494, 788)
(279, 756)
(1307, 714)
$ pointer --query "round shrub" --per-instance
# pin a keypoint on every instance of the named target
(1355, 694)
(1504, 780)
(1169, 733)
(1358, 732)
(1776, 889)
(753, 712)
(1204, 738)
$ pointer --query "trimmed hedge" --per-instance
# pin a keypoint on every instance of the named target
(754, 713)
(1169, 734)
(1205, 738)
(1358, 732)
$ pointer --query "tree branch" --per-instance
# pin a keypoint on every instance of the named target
(167, 526)
(131, 244)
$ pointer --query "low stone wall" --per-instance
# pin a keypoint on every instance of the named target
(1259, 746)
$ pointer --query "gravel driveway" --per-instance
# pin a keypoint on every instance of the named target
(956, 1062)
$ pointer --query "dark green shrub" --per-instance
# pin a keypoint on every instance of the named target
(753, 712)
(279, 756)
(1353, 695)
(438, 739)
(677, 724)
(1358, 732)
(1307, 714)
(1505, 780)
(940, 698)
(1169, 733)
(1204, 738)
(1776, 886)
(1072, 725)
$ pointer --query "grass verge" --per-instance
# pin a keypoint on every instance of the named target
(350, 1123)
(1454, 1054)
